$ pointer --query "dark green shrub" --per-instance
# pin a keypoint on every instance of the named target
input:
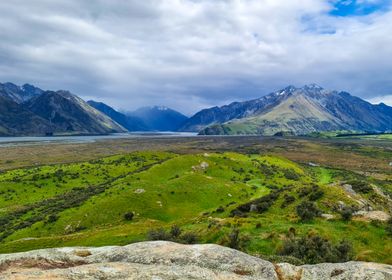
(316, 195)
(316, 249)
(175, 231)
(234, 240)
(288, 199)
(189, 238)
(158, 234)
(347, 214)
(52, 218)
(129, 216)
(389, 227)
(307, 210)
(360, 186)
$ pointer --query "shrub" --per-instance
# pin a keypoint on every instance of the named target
(129, 216)
(290, 174)
(389, 226)
(234, 240)
(316, 195)
(307, 211)
(347, 214)
(360, 186)
(158, 234)
(189, 238)
(316, 249)
(175, 231)
(52, 218)
(288, 199)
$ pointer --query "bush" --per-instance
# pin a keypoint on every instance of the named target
(347, 214)
(316, 195)
(315, 249)
(307, 211)
(234, 240)
(389, 227)
(189, 238)
(128, 216)
(175, 231)
(52, 218)
(158, 234)
(288, 199)
(360, 186)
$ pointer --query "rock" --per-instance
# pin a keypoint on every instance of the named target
(253, 208)
(327, 216)
(373, 215)
(138, 191)
(204, 165)
(349, 270)
(161, 260)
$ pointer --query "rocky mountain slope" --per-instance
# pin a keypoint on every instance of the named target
(28, 110)
(68, 113)
(15, 118)
(129, 122)
(167, 260)
(295, 111)
(19, 94)
(160, 118)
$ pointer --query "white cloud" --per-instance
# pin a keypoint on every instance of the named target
(386, 99)
(189, 54)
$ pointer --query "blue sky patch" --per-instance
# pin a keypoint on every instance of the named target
(345, 8)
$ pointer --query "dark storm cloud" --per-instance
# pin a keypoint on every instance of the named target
(192, 54)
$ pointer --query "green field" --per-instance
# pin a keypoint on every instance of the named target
(85, 203)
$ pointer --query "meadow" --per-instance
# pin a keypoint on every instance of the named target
(254, 194)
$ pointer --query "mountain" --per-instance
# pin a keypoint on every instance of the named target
(293, 111)
(68, 113)
(160, 118)
(129, 122)
(16, 120)
(19, 94)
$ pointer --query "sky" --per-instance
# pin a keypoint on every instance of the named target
(194, 54)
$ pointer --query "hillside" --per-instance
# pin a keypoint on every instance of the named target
(68, 113)
(16, 120)
(296, 111)
(120, 199)
(129, 122)
(159, 118)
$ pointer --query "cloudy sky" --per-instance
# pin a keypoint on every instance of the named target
(191, 54)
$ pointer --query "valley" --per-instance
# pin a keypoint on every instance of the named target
(207, 189)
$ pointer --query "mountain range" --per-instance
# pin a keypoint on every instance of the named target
(296, 111)
(28, 110)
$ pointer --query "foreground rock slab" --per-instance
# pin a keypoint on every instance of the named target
(161, 260)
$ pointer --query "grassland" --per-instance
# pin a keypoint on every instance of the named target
(79, 194)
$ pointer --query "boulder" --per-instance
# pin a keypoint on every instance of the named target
(161, 260)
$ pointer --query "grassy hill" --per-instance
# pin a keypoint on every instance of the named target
(208, 195)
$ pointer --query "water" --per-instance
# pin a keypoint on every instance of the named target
(24, 141)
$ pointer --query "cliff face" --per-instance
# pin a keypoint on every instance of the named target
(167, 260)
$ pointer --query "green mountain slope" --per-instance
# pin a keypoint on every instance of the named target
(85, 203)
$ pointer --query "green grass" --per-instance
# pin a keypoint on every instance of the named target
(89, 200)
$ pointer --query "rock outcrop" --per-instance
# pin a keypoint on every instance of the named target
(167, 260)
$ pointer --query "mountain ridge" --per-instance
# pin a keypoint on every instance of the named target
(295, 111)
